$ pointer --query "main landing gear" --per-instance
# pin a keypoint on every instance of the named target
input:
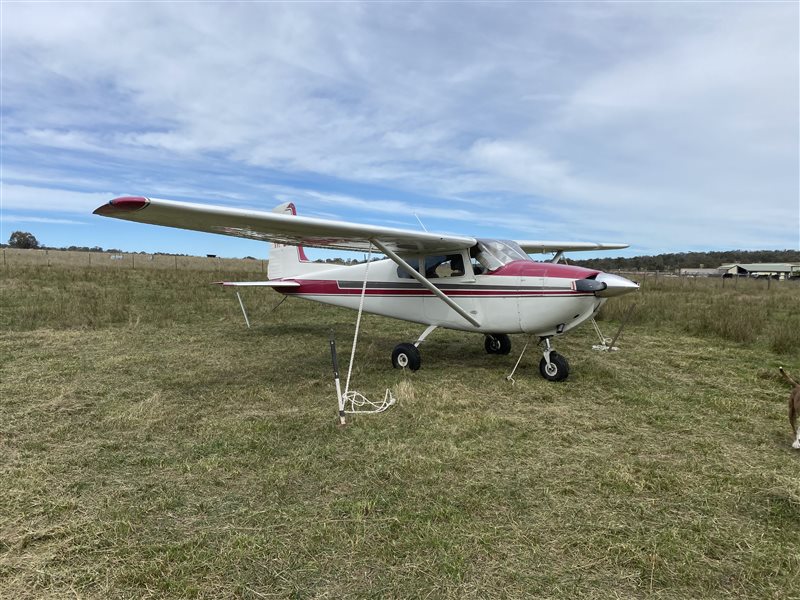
(497, 343)
(407, 356)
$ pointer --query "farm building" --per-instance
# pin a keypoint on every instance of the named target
(700, 273)
(780, 270)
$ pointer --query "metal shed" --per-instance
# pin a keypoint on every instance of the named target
(780, 270)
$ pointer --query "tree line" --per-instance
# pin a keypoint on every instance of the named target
(659, 262)
(689, 260)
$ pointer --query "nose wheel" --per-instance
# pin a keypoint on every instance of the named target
(553, 366)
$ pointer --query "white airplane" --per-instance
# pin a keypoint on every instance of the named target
(458, 282)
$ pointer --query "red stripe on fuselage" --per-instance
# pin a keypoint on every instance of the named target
(330, 287)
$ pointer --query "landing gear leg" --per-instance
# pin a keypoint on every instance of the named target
(553, 366)
(407, 356)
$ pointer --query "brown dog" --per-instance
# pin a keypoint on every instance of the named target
(794, 407)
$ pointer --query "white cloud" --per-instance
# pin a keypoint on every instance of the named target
(25, 219)
(28, 198)
(652, 122)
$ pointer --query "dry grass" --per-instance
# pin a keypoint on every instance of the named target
(161, 450)
(747, 311)
(17, 257)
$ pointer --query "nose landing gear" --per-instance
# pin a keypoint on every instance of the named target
(553, 366)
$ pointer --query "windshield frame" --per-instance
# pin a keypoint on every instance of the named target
(494, 254)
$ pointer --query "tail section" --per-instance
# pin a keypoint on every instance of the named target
(286, 260)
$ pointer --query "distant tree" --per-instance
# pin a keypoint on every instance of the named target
(688, 260)
(22, 239)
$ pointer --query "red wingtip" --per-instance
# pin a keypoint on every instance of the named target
(123, 204)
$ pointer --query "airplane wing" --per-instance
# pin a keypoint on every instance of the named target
(533, 246)
(279, 228)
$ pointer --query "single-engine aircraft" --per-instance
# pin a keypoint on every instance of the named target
(458, 282)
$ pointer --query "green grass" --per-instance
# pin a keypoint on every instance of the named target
(152, 447)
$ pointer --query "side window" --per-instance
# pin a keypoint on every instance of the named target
(451, 265)
(415, 262)
(436, 267)
(456, 262)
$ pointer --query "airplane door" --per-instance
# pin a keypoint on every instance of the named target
(449, 275)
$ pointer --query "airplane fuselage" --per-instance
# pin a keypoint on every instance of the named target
(520, 297)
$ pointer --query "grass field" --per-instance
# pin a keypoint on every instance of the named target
(153, 447)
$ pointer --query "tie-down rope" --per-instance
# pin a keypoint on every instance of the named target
(357, 400)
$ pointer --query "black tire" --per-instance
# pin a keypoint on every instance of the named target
(497, 343)
(406, 356)
(558, 369)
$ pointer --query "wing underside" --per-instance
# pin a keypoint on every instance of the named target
(282, 228)
(279, 228)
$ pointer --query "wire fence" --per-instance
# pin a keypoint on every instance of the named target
(13, 257)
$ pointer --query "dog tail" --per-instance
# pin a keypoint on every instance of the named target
(788, 377)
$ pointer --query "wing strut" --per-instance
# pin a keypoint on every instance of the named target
(425, 283)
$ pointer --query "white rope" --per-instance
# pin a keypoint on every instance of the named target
(510, 377)
(358, 322)
(358, 401)
(603, 340)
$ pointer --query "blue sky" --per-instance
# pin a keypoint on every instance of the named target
(671, 126)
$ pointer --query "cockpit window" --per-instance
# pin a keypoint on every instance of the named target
(493, 254)
(450, 265)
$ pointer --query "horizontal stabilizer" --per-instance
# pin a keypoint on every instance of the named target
(277, 283)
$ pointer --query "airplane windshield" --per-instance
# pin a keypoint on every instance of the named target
(493, 254)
